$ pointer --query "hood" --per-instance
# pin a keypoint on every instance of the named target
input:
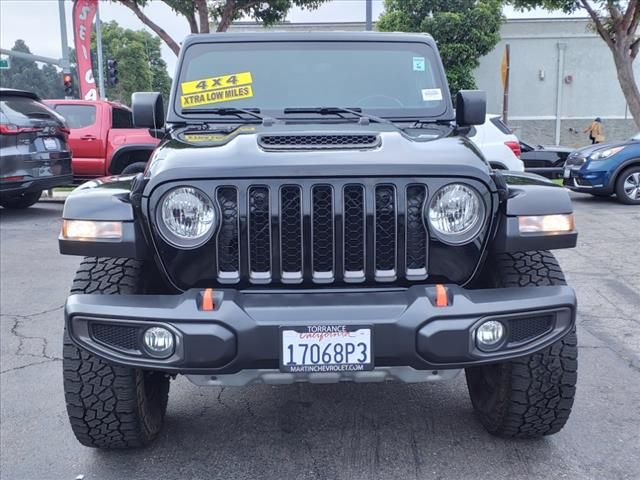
(586, 151)
(242, 154)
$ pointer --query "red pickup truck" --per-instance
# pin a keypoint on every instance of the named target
(103, 139)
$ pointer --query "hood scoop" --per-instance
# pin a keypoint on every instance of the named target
(306, 141)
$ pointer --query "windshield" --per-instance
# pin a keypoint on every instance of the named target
(387, 79)
(636, 137)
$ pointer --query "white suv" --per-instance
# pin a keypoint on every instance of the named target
(498, 144)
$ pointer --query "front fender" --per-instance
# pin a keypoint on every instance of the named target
(531, 195)
(106, 199)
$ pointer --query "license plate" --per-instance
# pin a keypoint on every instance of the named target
(326, 349)
(50, 143)
(44, 172)
(567, 173)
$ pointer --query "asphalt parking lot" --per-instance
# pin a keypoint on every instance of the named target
(344, 431)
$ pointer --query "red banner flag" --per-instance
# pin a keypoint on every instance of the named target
(84, 12)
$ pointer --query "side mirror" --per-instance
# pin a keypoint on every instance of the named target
(148, 110)
(471, 107)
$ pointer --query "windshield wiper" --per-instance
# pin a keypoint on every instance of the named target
(254, 112)
(363, 118)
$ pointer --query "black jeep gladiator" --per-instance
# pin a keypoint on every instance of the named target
(315, 213)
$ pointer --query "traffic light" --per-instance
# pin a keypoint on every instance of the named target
(112, 72)
(67, 79)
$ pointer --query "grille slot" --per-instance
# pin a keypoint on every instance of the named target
(416, 233)
(354, 233)
(322, 254)
(291, 233)
(228, 237)
(386, 233)
(318, 142)
(259, 235)
(121, 337)
(525, 329)
(321, 232)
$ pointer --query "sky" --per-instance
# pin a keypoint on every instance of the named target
(36, 21)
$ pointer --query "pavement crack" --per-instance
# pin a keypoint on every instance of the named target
(219, 398)
(17, 325)
(29, 365)
(30, 315)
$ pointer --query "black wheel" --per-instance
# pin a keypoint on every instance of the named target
(23, 201)
(531, 396)
(136, 167)
(111, 406)
(628, 186)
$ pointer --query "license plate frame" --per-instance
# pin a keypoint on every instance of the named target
(326, 337)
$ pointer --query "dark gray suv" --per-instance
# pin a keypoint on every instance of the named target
(34, 153)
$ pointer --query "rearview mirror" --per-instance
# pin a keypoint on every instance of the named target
(471, 107)
(148, 110)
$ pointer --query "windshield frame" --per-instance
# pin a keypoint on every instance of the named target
(175, 114)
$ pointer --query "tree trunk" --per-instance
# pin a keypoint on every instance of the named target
(227, 16)
(203, 12)
(173, 45)
(624, 69)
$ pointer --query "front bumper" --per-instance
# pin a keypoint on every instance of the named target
(588, 177)
(243, 331)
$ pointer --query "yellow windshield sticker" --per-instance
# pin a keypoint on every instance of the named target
(216, 96)
(216, 83)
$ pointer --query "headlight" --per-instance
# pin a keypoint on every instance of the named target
(456, 213)
(186, 217)
(602, 154)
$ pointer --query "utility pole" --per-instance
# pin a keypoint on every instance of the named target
(99, 45)
(64, 61)
(369, 15)
(506, 73)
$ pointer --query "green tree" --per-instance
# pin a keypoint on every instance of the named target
(45, 81)
(140, 64)
(616, 22)
(200, 13)
(465, 30)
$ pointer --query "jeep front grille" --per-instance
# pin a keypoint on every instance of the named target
(321, 232)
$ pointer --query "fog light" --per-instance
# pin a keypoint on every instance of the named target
(158, 341)
(489, 334)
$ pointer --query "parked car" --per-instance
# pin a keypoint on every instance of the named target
(34, 153)
(498, 144)
(546, 160)
(103, 138)
(305, 236)
(605, 169)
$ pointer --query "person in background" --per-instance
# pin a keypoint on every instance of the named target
(595, 131)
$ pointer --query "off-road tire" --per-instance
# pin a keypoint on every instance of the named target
(620, 193)
(530, 396)
(111, 406)
(23, 201)
(136, 167)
